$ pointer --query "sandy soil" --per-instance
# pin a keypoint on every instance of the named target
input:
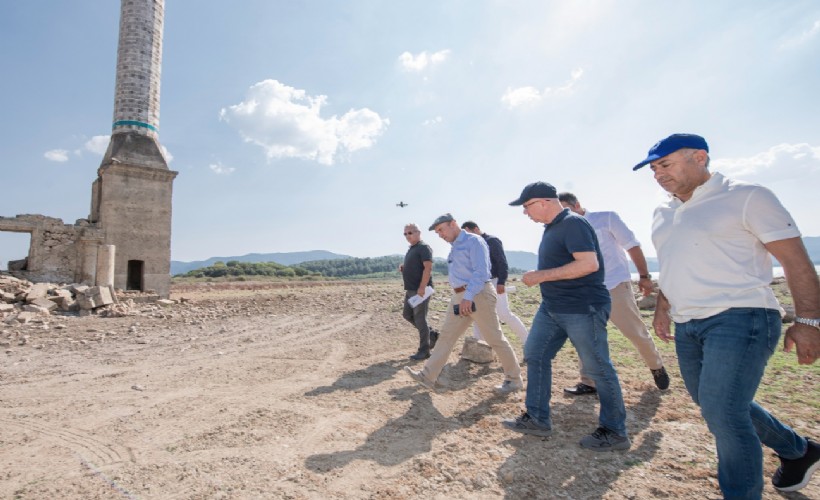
(298, 392)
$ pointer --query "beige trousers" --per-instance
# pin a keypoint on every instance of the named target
(627, 318)
(502, 308)
(455, 326)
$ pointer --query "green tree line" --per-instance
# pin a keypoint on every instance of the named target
(371, 267)
(234, 268)
(368, 266)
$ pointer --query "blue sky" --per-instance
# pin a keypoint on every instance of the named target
(299, 125)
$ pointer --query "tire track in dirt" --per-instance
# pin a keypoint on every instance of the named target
(210, 401)
(90, 449)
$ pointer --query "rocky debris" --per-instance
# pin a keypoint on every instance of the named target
(127, 308)
(94, 297)
(477, 351)
(138, 297)
(22, 301)
(647, 303)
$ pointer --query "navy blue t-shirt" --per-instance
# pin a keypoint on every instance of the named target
(566, 234)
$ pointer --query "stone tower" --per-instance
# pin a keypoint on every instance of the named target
(131, 197)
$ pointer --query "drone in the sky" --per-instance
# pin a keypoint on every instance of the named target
(401, 204)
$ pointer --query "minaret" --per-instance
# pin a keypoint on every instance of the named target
(131, 198)
(135, 131)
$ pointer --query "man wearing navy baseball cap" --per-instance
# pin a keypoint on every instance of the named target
(575, 305)
(714, 238)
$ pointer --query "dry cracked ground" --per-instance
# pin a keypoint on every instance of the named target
(297, 391)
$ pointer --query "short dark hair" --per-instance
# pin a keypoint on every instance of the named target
(568, 197)
(469, 225)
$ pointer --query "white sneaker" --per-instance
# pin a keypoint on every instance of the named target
(509, 386)
(421, 379)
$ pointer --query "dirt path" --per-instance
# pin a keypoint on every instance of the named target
(297, 392)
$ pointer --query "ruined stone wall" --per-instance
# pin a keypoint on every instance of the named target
(56, 249)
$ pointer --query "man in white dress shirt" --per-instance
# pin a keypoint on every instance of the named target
(614, 238)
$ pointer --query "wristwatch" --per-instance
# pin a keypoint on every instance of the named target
(815, 322)
(645, 276)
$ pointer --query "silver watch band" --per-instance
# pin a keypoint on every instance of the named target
(815, 322)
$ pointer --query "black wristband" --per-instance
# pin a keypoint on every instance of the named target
(647, 276)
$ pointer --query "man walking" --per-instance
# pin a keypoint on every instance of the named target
(473, 299)
(575, 305)
(416, 271)
(714, 237)
(614, 237)
(499, 271)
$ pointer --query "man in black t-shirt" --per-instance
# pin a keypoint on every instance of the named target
(416, 272)
(575, 305)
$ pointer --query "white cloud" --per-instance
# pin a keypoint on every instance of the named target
(522, 96)
(803, 37)
(168, 156)
(98, 144)
(286, 122)
(783, 161)
(433, 121)
(530, 96)
(219, 169)
(59, 155)
(420, 62)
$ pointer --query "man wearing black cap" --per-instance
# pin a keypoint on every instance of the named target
(473, 298)
(714, 237)
(575, 305)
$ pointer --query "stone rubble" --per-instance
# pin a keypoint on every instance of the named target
(477, 351)
(23, 302)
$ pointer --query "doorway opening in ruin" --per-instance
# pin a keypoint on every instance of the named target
(135, 275)
(14, 247)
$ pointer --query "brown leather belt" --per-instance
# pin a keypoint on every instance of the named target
(459, 289)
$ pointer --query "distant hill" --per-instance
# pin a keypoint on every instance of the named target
(286, 259)
(526, 261)
(516, 259)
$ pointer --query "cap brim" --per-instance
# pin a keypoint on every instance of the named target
(517, 202)
(648, 160)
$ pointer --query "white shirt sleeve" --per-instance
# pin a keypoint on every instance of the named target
(623, 235)
(765, 217)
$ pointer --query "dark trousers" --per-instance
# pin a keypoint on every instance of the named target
(418, 317)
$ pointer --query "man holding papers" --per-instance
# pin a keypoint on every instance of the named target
(473, 298)
(416, 272)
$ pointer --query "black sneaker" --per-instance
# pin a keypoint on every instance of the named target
(526, 425)
(420, 355)
(661, 378)
(580, 390)
(604, 439)
(793, 475)
(433, 338)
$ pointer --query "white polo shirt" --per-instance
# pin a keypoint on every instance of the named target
(613, 238)
(710, 248)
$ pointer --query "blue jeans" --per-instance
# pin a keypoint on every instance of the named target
(722, 359)
(587, 332)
